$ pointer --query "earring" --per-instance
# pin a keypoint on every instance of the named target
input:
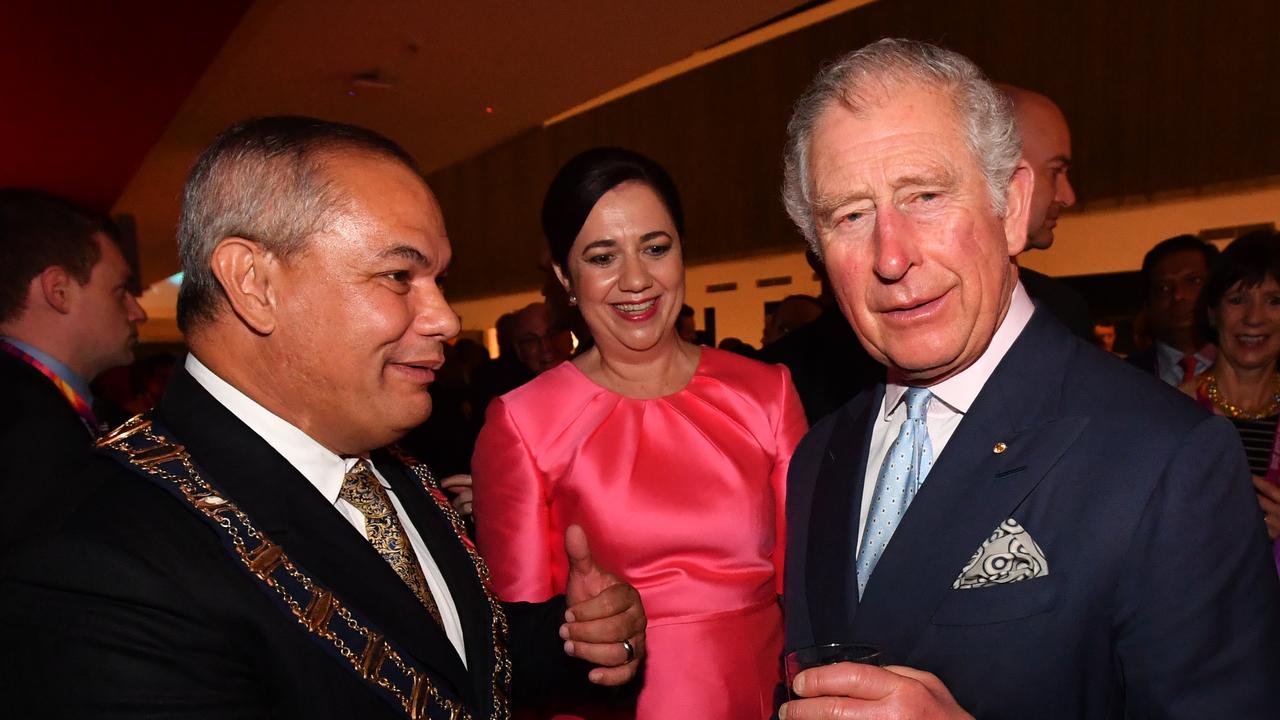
(573, 300)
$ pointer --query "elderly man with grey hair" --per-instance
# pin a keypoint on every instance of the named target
(1022, 525)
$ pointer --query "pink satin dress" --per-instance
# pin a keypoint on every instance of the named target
(683, 496)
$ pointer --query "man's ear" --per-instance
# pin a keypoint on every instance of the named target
(1018, 207)
(245, 271)
(56, 286)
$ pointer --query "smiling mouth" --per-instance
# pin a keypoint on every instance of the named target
(423, 372)
(636, 311)
(1251, 340)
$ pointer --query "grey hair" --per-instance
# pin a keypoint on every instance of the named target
(864, 78)
(263, 180)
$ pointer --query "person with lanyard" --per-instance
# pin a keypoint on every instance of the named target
(1240, 305)
(67, 312)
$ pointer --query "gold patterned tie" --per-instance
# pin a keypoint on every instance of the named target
(361, 488)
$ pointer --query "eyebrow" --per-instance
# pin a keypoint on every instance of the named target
(604, 243)
(611, 243)
(941, 177)
(405, 252)
(824, 206)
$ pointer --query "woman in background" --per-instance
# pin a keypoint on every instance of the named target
(672, 457)
(1241, 307)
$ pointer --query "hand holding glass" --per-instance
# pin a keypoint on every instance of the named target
(828, 654)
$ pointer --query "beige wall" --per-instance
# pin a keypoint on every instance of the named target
(1097, 241)
(1086, 243)
(1114, 240)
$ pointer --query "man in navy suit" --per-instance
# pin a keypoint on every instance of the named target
(1026, 527)
(67, 312)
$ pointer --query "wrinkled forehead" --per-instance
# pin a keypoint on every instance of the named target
(915, 132)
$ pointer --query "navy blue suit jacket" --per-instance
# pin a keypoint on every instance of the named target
(1161, 599)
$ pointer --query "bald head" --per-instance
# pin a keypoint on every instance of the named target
(1046, 146)
(537, 345)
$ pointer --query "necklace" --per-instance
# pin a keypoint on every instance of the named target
(1235, 411)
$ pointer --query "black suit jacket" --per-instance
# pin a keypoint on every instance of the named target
(134, 609)
(42, 441)
(1161, 599)
(827, 362)
(1144, 360)
(1060, 300)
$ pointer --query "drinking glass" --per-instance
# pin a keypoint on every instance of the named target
(829, 654)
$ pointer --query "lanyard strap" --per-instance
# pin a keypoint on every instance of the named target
(77, 403)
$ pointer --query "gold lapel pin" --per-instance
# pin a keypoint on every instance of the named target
(999, 448)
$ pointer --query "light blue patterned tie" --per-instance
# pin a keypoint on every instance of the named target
(903, 471)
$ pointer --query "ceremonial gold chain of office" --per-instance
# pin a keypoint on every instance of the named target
(1235, 411)
(500, 630)
(204, 498)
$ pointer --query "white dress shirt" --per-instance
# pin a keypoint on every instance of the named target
(951, 400)
(325, 470)
(1169, 362)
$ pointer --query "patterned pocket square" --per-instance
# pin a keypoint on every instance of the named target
(1008, 556)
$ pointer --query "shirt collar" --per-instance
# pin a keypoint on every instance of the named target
(1170, 356)
(320, 466)
(960, 390)
(77, 383)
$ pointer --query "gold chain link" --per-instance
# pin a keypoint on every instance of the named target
(195, 489)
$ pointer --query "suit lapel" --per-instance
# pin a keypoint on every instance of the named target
(454, 563)
(971, 488)
(833, 521)
(289, 510)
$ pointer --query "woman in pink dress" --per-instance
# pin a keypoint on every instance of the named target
(672, 457)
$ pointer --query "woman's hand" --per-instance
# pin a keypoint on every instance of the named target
(1269, 501)
(460, 487)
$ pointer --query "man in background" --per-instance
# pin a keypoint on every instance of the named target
(686, 325)
(792, 313)
(828, 365)
(1104, 333)
(1046, 148)
(1173, 272)
(539, 346)
(67, 313)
